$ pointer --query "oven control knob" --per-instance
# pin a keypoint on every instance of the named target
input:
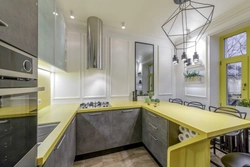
(27, 66)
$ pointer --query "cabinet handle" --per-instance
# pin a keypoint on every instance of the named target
(2, 23)
(152, 115)
(59, 145)
(73, 120)
(153, 126)
(126, 111)
(4, 121)
(153, 137)
(95, 114)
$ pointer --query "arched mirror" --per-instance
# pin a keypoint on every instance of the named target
(144, 68)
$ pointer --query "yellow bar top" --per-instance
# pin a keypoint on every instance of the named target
(206, 123)
(202, 121)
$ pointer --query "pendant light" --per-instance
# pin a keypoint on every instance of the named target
(179, 27)
(195, 56)
(175, 58)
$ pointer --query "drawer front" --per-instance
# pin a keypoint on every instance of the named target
(157, 131)
(158, 149)
(156, 120)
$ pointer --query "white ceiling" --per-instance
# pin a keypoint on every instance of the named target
(142, 17)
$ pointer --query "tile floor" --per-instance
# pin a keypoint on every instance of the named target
(137, 157)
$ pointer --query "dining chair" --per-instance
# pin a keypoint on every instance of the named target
(176, 100)
(236, 159)
(195, 104)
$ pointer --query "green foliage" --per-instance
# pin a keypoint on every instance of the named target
(147, 100)
(191, 74)
(157, 100)
(244, 103)
(150, 94)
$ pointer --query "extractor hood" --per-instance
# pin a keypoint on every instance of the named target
(94, 43)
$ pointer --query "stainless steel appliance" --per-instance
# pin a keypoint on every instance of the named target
(94, 104)
(18, 108)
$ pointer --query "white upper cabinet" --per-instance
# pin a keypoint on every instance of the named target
(51, 34)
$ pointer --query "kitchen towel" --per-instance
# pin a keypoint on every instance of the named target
(181, 137)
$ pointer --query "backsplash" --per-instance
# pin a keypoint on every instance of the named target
(44, 81)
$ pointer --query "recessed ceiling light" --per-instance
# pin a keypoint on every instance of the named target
(123, 25)
(55, 13)
(72, 15)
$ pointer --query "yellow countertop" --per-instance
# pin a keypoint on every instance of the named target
(207, 124)
(57, 113)
(202, 121)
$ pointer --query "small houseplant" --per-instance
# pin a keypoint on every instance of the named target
(244, 106)
(192, 76)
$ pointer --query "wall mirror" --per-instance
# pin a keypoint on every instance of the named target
(144, 68)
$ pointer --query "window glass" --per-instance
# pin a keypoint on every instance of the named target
(235, 45)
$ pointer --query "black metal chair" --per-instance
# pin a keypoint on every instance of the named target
(195, 104)
(176, 100)
(226, 142)
(236, 160)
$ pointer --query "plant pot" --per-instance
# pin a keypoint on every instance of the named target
(244, 109)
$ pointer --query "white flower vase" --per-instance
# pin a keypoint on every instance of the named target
(244, 109)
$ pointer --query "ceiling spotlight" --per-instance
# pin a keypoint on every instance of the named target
(72, 15)
(123, 25)
(55, 13)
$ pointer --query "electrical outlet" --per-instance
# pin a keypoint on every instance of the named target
(39, 101)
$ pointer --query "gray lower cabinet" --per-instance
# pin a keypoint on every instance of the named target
(50, 162)
(98, 131)
(63, 154)
(126, 127)
(93, 132)
(155, 136)
(22, 19)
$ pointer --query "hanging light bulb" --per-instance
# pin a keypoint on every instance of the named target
(72, 15)
(175, 60)
(123, 25)
(196, 57)
(187, 62)
(184, 56)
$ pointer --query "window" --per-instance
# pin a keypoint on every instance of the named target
(235, 45)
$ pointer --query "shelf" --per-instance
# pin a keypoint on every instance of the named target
(197, 67)
(194, 82)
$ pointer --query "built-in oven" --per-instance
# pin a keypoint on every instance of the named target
(18, 108)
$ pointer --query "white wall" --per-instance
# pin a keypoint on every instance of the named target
(116, 80)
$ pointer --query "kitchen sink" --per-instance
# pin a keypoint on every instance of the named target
(44, 130)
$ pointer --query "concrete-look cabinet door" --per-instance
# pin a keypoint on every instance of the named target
(50, 162)
(63, 154)
(154, 135)
(22, 19)
(126, 127)
(71, 142)
(93, 132)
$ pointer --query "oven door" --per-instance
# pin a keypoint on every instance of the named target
(18, 128)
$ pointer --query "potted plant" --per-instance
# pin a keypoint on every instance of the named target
(192, 76)
(244, 106)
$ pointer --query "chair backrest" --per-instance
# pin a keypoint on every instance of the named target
(178, 101)
(231, 111)
(195, 104)
(212, 108)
